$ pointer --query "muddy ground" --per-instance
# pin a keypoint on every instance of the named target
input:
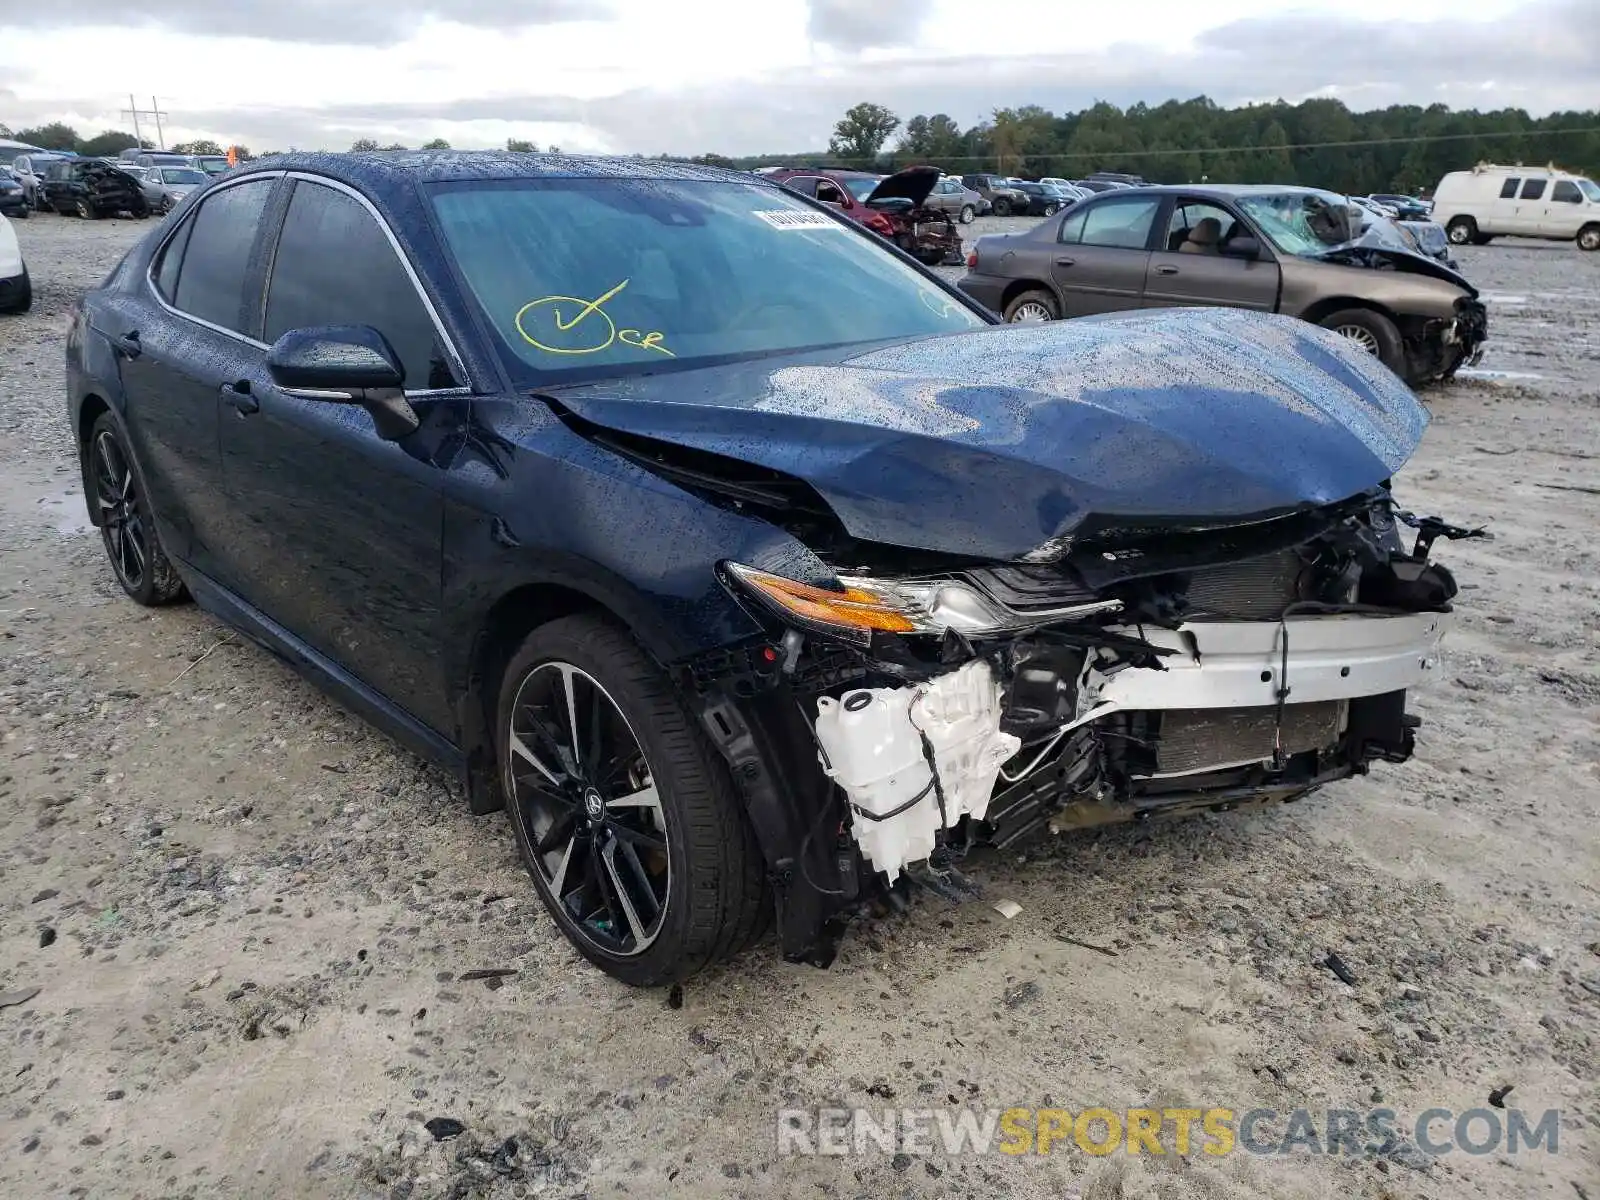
(249, 916)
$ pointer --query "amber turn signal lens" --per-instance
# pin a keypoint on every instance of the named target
(851, 608)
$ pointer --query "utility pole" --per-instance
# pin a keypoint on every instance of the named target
(135, 112)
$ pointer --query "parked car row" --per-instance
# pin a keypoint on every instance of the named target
(164, 178)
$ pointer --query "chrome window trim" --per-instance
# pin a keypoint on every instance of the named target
(394, 244)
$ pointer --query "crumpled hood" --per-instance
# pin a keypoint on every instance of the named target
(995, 442)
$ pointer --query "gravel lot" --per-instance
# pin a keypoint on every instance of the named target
(249, 916)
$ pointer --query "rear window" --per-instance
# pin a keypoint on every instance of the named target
(615, 277)
(1119, 224)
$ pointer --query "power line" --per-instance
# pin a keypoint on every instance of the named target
(1166, 153)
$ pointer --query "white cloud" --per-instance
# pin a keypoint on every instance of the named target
(726, 75)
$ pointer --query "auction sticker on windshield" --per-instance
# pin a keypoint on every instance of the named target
(788, 218)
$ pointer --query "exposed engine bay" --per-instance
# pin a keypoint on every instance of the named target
(1129, 673)
(927, 234)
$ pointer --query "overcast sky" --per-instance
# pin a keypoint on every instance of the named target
(740, 77)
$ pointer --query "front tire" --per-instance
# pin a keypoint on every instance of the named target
(628, 822)
(121, 508)
(1373, 332)
(86, 210)
(1002, 208)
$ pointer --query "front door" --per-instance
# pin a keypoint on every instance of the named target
(1191, 266)
(1101, 255)
(1565, 212)
(337, 531)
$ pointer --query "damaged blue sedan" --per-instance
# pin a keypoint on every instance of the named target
(759, 575)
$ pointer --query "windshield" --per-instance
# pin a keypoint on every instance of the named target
(1590, 189)
(860, 188)
(1300, 223)
(613, 277)
(181, 175)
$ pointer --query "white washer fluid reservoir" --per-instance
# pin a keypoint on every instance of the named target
(872, 748)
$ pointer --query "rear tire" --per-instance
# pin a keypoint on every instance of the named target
(1373, 332)
(116, 492)
(1589, 238)
(708, 883)
(968, 213)
(1036, 304)
(1461, 230)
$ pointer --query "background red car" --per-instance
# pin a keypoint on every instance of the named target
(893, 206)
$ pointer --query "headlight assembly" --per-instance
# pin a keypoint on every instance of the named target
(863, 606)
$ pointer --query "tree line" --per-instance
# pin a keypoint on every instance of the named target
(1402, 148)
(107, 143)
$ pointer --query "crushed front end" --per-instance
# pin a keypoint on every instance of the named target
(884, 727)
(1438, 347)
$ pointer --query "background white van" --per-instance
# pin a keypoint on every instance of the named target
(1538, 202)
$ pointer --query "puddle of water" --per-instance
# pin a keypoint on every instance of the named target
(66, 509)
(1480, 373)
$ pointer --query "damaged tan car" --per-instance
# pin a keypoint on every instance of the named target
(1297, 251)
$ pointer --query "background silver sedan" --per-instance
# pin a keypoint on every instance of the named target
(165, 186)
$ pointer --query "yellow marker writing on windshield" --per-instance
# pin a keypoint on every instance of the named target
(588, 329)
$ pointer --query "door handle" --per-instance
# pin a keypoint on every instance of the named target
(1065, 262)
(128, 344)
(238, 395)
(1166, 270)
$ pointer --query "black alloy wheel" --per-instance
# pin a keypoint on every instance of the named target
(123, 516)
(625, 817)
(589, 803)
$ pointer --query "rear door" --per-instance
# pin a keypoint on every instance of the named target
(1206, 275)
(1499, 213)
(337, 532)
(1528, 217)
(179, 349)
(1102, 253)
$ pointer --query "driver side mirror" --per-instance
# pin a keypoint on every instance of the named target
(345, 364)
(1243, 246)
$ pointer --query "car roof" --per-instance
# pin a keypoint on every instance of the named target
(442, 166)
(1219, 190)
(389, 176)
